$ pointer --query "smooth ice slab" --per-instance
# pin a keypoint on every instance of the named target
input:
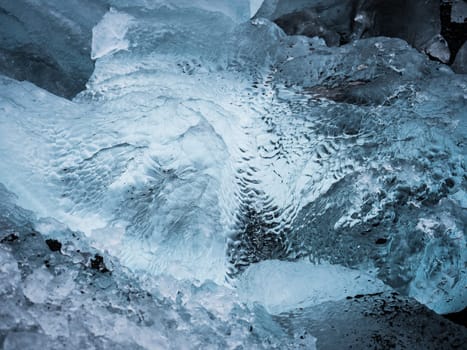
(282, 286)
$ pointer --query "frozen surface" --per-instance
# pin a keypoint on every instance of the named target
(376, 321)
(458, 11)
(109, 34)
(286, 149)
(215, 150)
(58, 294)
(284, 286)
(416, 21)
(48, 42)
(460, 63)
(438, 48)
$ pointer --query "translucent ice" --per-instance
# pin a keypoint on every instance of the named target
(210, 143)
(49, 42)
(459, 11)
(438, 48)
(339, 22)
(36, 287)
(108, 36)
(460, 63)
(254, 7)
(76, 298)
(284, 286)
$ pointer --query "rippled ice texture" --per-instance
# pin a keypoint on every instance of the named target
(65, 295)
(205, 143)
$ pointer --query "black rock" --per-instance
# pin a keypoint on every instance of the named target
(54, 245)
(98, 264)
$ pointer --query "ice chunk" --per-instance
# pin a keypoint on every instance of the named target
(459, 11)
(25, 340)
(255, 6)
(460, 62)
(310, 24)
(129, 311)
(282, 286)
(438, 283)
(36, 286)
(313, 18)
(238, 11)
(343, 21)
(438, 48)
(414, 21)
(108, 36)
(9, 272)
(49, 42)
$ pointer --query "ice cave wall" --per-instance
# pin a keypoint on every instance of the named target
(49, 42)
(434, 27)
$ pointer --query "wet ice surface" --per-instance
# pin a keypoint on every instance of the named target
(284, 286)
(65, 294)
(374, 321)
(218, 157)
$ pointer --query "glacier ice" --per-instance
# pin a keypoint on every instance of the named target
(459, 11)
(368, 321)
(219, 157)
(49, 42)
(438, 48)
(74, 298)
(460, 63)
(282, 286)
(89, 300)
(108, 36)
(338, 22)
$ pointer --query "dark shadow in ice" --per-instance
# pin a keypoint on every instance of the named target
(49, 44)
(374, 321)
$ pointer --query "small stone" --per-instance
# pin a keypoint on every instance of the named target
(10, 238)
(381, 241)
(438, 49)
(98, 264)
(54, 245)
